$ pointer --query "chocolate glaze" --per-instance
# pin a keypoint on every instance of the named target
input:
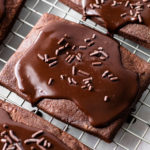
(2, 8)
(24, 132)
(104, 100)
(111, 15)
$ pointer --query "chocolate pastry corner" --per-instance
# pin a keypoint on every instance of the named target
(8, 11)
(128, 18)
(23, 130)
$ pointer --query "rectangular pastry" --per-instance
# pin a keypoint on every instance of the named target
(8, 11)
(23, 130)
(78, 75)
(128, 18)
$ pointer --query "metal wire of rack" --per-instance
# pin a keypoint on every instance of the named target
(134, 135)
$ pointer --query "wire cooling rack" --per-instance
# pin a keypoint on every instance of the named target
(134, 135)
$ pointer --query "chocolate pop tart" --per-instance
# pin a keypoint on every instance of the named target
(128, 18)
(78, 75)
(23, 130)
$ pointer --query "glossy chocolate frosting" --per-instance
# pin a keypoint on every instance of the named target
(117, 13)
(22, 137)
(71, 61)
(2, 8)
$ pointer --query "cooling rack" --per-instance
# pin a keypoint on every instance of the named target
(134, 135)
